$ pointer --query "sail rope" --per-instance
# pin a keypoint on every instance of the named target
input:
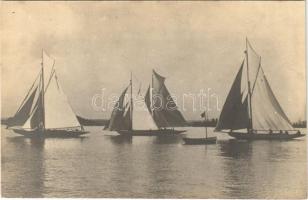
(22, 103)
(254, 84)
(50, 77)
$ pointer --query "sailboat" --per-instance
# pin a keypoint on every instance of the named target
(147, 120)
(251, 110)
(203, 140)
(45, 110)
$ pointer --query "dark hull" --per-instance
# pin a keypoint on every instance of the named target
(50, 133)
(195, 141)
(162, 132)
(264, 136)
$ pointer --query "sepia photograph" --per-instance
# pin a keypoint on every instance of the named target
(153, 99)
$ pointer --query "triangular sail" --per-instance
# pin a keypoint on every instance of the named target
(49, 106)
(116, 119)
(253, 60)
(123, 117)
(267, 112)
(23, 113)
(48, 64)
(234, 114)
(164, 109)
(142, 119)
(158, 117)
(35, 120)
(58, 112)
(126, 121)
(25, 108)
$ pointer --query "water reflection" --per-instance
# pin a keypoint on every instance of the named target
(26, 170)
(237, 167)
(235, 148)
(253, 168)
(120, 139)
(160, 171)
(167, 139)
(151, 167)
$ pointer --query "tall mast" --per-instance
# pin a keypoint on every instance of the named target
(249, 90)
(205, 120)
(131, 100)
(43, 90)
(151, 94)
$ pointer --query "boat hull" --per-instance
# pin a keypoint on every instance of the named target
(264, 136)
(50, 133)
(197, 141)
(162, 132)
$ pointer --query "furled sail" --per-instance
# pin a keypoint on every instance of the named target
(266, 111)
(164, 109)
(234, 114)
(58, 112)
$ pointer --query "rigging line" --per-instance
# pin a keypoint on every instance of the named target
(249, 88)
(274, 97)
(140, 84)
(169, 96)
(59, 88)
(36, 104)
(250, 46)
(48, 55)
(56, 77)
(254, 84)
(53, 70)
(33, 110)
(22, 103)
(126, 94)
(51, 75)
(136, 79)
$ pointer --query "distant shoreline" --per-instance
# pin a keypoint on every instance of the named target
(190, 123)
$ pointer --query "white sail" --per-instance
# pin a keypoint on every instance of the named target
(48, 64)
(58, 112)
(142, 118)
(267, 113)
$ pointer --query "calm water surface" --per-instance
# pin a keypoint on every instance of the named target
(104, 165)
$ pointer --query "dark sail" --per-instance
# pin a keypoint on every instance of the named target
(126, 120)
(234, 114)
(36, 119)
(23, 113)
(158, 116)
(116, 119)
(165, 111)
(147, 99)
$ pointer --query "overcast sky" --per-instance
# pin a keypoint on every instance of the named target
(196, 45)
